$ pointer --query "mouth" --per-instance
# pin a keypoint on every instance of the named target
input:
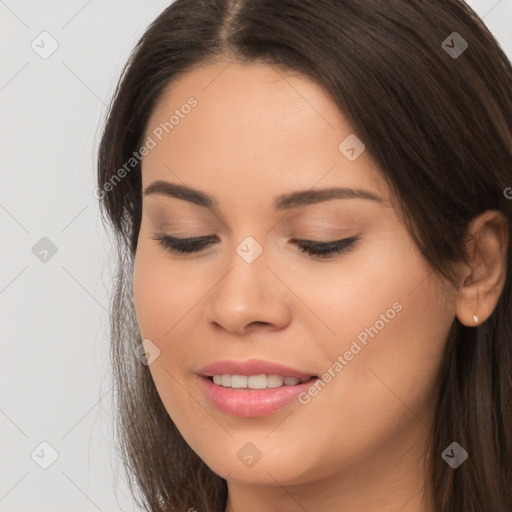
(254, 387)
(257, 382)
(257, 398)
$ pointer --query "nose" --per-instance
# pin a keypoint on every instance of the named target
(249, 298)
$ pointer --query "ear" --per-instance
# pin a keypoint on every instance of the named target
(483, 280)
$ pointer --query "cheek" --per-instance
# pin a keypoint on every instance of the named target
(345, 297)
(162, 299)
(167, 299)
(391, 325)
(388, 380)
(162, 293)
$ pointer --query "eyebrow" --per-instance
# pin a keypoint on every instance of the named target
(282, 202)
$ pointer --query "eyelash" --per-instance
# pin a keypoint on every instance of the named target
(311, 247)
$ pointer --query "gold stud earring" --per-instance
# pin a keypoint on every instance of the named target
(475, 318)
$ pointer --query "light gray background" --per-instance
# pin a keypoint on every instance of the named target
(55, 379)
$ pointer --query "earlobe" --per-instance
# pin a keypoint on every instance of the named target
(483, 280)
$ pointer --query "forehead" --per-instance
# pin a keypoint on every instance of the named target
(255, 125)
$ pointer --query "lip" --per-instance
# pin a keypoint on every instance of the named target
(252, 403)
(251, 367)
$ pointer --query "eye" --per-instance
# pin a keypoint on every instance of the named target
(184, 245)
(326, 249)
(311, 247)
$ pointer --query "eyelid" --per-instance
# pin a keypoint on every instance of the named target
(326, 249)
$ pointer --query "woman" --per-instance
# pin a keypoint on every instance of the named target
(311, 200)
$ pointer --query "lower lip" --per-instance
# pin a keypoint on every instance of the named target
(252, 403)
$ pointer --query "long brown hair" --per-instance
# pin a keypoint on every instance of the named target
(438, 124)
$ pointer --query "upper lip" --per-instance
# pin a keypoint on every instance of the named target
(250, 367)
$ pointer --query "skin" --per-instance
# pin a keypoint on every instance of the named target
(258, 132)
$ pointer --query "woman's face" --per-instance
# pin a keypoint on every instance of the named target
(369, 322)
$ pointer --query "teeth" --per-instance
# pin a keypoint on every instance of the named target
(256, 381)
(239, 381)
(274, 381)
